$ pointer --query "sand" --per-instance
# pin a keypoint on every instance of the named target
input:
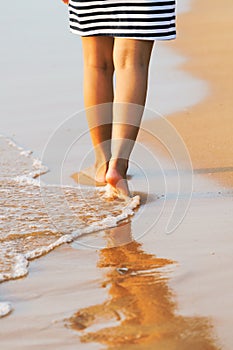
(207, 127)
(163, 291)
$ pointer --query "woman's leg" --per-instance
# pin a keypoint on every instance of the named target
(98, 90)
(131, 61)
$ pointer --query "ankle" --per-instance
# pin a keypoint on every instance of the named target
(101, 165)
(119, 164)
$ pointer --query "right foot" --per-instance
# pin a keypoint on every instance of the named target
(116, 176)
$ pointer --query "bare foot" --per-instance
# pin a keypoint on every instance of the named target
(92, 176)
(116, 176)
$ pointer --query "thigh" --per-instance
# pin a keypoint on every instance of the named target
(132, 51)
(98, 50)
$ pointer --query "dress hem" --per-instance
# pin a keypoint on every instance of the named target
(159, 38)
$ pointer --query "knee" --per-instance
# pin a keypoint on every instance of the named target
(127, 59)
(99, 64)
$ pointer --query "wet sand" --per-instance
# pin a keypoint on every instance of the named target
(162, 291)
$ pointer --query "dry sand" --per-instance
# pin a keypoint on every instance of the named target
(207, 128)
(78, 298)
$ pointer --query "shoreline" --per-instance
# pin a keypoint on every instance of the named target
(59, 284)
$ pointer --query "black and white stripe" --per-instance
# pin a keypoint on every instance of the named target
(139, 19)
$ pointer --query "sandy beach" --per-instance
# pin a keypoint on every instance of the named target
(159, 291)
(207, 127)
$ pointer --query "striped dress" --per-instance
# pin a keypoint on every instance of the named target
(136, 19)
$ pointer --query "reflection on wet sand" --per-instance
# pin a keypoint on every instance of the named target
(140, 312)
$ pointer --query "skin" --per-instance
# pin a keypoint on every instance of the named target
(113, 135)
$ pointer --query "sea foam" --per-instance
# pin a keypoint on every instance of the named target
(36, 218)
(5, 309)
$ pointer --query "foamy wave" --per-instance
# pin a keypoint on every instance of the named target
(36, 218)
(36, 167)
(26, 153)
(5, 309)
(26, 180)
(20, 262)
(20, 268)
(13, 144)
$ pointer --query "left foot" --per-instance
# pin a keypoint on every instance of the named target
(92, 176)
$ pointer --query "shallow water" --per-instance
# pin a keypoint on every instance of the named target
(36, 218)
(140, 310)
